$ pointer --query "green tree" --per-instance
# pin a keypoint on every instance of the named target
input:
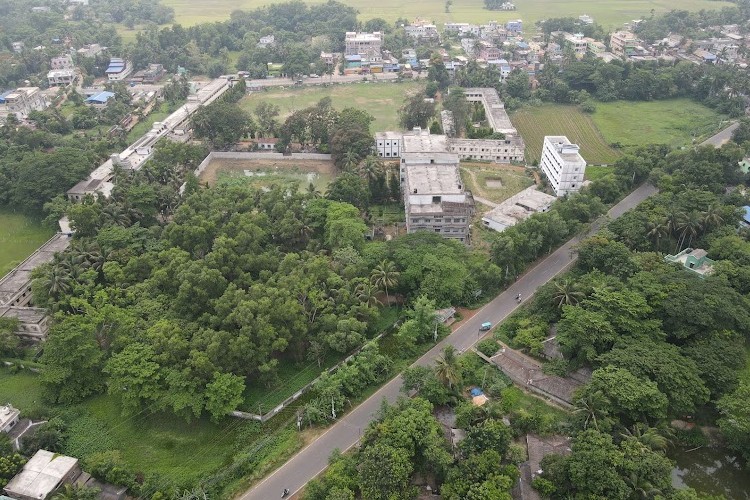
(735, 419)
(384, 473)
(447, 367)
(490, 434)
(416, 111)
(385, 276)
(221, 123)
(224, 394)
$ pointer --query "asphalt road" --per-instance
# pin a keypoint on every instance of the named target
(345, 433)
(719, 139)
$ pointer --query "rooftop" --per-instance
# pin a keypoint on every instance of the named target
(101, 97)
(695, 260)
(433, 178)
(567, 150)
(7, 414)
(421, 141)
(41, 475)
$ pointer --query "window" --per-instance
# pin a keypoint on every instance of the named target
(436, 199)
(437, 229)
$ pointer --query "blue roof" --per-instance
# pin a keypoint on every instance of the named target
(476, 392)
(4, 94)
(747, 213)
(101, 97)
(522, 45)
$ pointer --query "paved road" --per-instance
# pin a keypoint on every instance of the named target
(719, 139)
(313, 459)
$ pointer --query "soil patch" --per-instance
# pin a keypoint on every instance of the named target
(262, 171)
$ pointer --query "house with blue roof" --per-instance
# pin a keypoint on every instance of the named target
(118, 69)
(746, 216)
(100, 100)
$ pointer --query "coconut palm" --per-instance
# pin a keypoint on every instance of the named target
(642, 489)
(711, 218)
(385, 276)
(350, 160)
(366, 293)
(313, 192)
(57, 281)
(649, 437)
(370, 168)
(689, 228)
(657, 231)
(567, 293)
(446, 367)
(589, 407)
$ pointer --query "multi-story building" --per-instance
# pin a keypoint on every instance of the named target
(60, 77)
(62, 62)
(21, 102)
(422, 31)
(90, 50)
(586, 19)
(562, 164)
(388, 144)
(489, 52)
(118, 69)
(366, 45)
(577, 42)
(266, 41)
(515, 26)
(462, 28)
(594, 47)
(623, 43)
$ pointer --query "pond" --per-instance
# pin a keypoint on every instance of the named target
(711, 470)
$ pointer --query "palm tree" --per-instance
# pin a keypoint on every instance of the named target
(446, 367)
(385, 276)
(688, 228)
(57, 281)
(350, 160)
(642, 488)
(589, 406)
(366, 293)
(370, 168)
(657, 231)
(649, 437)
(313, 192)
(711, 218)
(567, 293)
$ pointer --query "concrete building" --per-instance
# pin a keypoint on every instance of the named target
(79, 2)
(366, 45)
(487, 51)
(562, 164)
(118, 69)
(90, 50)
(518, 207)
(388, 144)
(422, 31)
(21, 102)
(62, 62)
(100, 100)
(152, 74)
(42, 476)
(266, 41)
(33, 323)
(595, 47)
(694, 260)
(586, 19)
(577, 42)
(18, 47)
(60, 77)
(8, 418)
(623, 43)
(515, 26)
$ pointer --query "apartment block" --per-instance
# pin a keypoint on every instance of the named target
(388, 144)
(623, 43)
(21, 102)
(562, 164)
(366, 45)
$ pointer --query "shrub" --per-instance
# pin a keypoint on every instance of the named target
(488, 347)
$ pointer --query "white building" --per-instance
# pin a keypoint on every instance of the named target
(8, 418)
(388, 144)
(21, 102)
(118, 69)
(58, 77)
(562, 164)
(422, 31)
(518, 207)
(62, 62)
(266, 41)
(90, 50)
(367, 45)
(586, 19)
(42, 476)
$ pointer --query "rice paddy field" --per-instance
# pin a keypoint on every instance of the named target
(382, 100)
(19, 236)
(627, 124)
(610, 13)
(554, 119)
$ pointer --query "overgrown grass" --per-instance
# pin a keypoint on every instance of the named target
(594, 172)
(610, 13)
(20, 235)
(262, 178)
(675, 122)
(158, 114)
(382, 100)
(534, 123)
(493, 182)
(22, 390)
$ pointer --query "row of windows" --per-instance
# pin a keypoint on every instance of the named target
(417, 220)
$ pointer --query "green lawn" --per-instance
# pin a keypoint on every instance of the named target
(610, 13)
(674, 122)
(533, 123)
(381, 100)
(594, 172)
(22, 390)
(19, 236)
(493, 182)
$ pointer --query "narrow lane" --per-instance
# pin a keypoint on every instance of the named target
(344, 434)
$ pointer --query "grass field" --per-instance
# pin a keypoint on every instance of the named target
(261, 173)
(674, 122)
(494, 182)
(19, 236)
(381, 100)
(609, 13)
(554, 119)
(22, 390)
(159, 113)
(594, 172)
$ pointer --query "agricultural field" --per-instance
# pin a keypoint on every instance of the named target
(675, 122)
(534, 123)
(610, 13)
(494, 182)
(19, 236)
(381, 100)
(263, 173)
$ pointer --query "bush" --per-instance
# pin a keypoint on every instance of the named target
(544, 486)
(588, 107)
(488, 347)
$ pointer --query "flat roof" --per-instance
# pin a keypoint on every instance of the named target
(425, 143)
(41, 475)
(433, 178)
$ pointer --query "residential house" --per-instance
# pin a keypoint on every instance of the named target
(100, 100)
(695, 260)
(62, 62)
(60, 77)
(43, 475)
(517, 208)
(118, 69)
(21, 102)
(8, 418)
(18, 46)
(623, 43)
(577, 43)
(366, 45)
(586, 19)
(422, 31)
(266, 41)
(515, 26)
(90, 50)
(266, 143)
